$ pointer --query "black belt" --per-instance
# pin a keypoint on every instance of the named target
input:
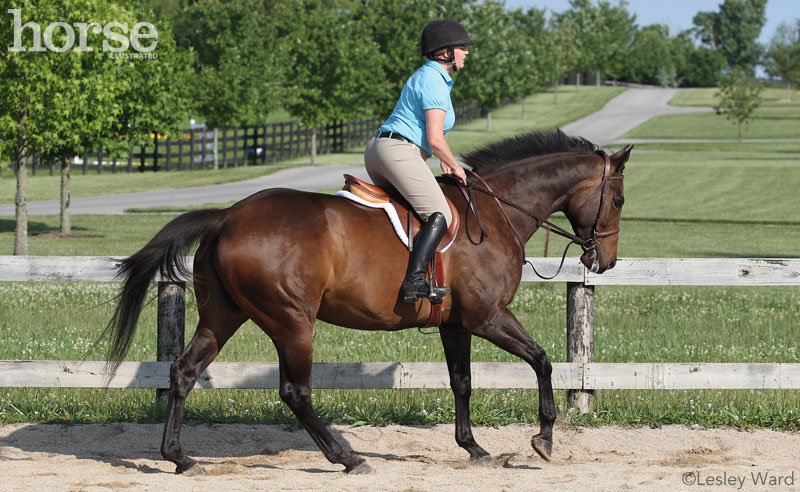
(393, 135)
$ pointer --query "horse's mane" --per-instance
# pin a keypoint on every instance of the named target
(526, 145)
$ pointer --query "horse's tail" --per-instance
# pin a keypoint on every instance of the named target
(164, 254)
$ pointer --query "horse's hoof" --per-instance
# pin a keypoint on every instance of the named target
(542, 446)
(360, 469)
(191, 470)
(484, 459)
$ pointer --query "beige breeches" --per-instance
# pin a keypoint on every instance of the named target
(402, 165)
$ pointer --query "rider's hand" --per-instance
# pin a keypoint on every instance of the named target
(455, 171)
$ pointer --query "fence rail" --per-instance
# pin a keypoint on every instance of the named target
(580, 374)
(196, 148)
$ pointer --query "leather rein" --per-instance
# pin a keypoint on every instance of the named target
(588, 244)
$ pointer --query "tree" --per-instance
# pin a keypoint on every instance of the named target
(336, 64)
(734, 30)
(739, 96)
(490, 77)
(563, 52)
(703, 68)
(783, 55)
(74, 101)
(532, 58)
(650, 57)
(241, 64)
(617, 29)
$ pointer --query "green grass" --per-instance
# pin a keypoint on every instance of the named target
(633, 324)
(777, 118)
(705, 97)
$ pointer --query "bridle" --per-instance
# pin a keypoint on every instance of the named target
(588, 244)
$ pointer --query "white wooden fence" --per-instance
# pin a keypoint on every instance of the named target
(580, 374)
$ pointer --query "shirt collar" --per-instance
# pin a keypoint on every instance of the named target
(439, 68)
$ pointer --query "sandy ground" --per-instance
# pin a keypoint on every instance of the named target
(410, 459)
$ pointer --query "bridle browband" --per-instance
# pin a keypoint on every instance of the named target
(589, 244)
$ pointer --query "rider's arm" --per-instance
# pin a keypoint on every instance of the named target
(434, 123)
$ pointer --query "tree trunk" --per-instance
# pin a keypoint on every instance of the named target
(216, 148)
(739, 126)
(597, 82)
(489, 121)
(577, 81)
(66, 169)
(314, 146)
(21, 202)
(524, 114)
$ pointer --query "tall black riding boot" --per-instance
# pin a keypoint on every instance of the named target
(414, 285)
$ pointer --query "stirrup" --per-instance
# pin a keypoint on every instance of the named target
(412, 292)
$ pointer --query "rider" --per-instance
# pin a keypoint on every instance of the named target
(415, 130)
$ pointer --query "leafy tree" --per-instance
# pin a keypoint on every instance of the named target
(617, 29)
(490, 77)
(739, 96)
(562, 52)
(335, 63)
(532, 63)
(241, 63)
(703, 68)
(783, 55)
(64, 103)
(650, 55)
(734, 30)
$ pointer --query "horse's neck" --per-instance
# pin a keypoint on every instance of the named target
(541, 185)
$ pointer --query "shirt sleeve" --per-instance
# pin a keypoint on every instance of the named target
(435, 94)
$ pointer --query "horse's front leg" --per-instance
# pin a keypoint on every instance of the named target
(456, 350)
(504, 330)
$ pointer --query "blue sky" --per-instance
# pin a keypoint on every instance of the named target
(677, 14)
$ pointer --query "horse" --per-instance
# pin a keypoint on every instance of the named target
(284, 258)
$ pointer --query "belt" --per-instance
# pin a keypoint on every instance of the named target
(393, 135)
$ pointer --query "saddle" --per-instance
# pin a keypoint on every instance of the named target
(409, 222)
(406, 224)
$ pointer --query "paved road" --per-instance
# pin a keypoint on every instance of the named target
(620, 115)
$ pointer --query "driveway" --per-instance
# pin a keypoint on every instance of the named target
(621, 114)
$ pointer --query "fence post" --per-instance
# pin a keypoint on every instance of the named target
(580, 338)
(171, 325)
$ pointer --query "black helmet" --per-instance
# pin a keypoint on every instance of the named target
(443, 33)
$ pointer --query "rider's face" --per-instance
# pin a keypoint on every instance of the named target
(460, 54)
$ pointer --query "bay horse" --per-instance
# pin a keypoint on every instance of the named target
(284, 258)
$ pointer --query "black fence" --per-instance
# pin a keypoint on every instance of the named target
(237, 146)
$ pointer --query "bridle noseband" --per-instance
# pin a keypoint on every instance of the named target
(588, 244)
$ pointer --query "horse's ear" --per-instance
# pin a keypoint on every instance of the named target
(620, 157)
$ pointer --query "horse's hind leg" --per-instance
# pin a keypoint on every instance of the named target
(456, 349)
(212, 333)
(503, 330)
(295, 356)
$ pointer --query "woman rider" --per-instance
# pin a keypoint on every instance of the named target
(415, 130)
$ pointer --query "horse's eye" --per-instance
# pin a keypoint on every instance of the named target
(618, 202)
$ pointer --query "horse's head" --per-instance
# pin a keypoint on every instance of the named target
(594, 210)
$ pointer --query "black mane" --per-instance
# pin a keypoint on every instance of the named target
(514, 149)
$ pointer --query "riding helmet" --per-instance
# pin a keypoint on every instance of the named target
(443, 33)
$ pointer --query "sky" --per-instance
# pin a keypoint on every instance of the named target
(677, 14)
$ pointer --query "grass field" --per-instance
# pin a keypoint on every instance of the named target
(776, 118)
(682, 200)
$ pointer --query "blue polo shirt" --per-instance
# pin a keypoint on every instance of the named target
(428, 88)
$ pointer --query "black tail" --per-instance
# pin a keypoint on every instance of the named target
(164, 254)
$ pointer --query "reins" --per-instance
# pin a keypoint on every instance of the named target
(588, 244)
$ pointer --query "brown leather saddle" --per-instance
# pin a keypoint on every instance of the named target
(409, 221)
